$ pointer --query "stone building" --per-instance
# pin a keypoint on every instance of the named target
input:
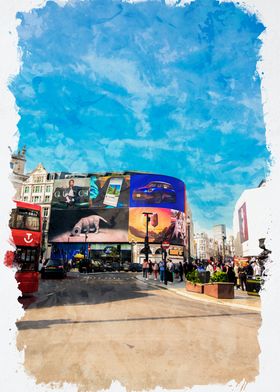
(17, 176)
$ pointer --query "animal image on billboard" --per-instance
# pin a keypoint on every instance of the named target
(155, 190)
(89, 225)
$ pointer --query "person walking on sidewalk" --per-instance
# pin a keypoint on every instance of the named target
(145, 269)
(170, 271)
(242, 278)
(150, 267)
(161, 271)
(181, 271)
(236, 269)
(155, 270)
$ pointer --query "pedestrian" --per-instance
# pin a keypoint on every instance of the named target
(257, 269)
(249, 269)
(181, 271)
(176, 270)
(210, 268)
(145, 269)
(230, 274)
(161, 271)
(155, 270)
(150, 267)
(170, 267)
(242, 277)
(236, 275)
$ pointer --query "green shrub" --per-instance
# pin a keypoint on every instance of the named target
(193, 277)
(219, 276)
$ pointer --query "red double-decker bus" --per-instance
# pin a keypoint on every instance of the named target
(26, 228)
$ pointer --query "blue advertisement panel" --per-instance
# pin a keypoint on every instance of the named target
(156, 190)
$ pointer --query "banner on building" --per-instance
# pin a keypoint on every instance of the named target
(243, 223)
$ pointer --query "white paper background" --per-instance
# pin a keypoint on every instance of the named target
(12, 375)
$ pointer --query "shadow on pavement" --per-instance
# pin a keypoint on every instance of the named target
(41, 324)
(86, 290)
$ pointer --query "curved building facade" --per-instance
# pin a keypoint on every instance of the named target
(99, 211)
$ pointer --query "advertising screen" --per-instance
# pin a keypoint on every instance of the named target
(243, 225)
(68, 251)
(155, 190)
(171, 225)
(71, 193)
(109, 191)
(89, 225)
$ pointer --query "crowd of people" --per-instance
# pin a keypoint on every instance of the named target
(236, 273)
(157, 270)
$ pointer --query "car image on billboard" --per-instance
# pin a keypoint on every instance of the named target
(155, 190)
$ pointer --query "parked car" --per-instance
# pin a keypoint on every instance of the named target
(97, 266)
(135, 267)
(116, 266)
(107, 266)
(125, 266)
(53, 269)
(85, 265)
(155, 192)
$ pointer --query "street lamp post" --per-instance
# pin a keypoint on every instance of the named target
(146, 247)
(86, 237)
(189, 238)
(133, 243)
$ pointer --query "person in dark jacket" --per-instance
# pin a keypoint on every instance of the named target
(181, 271)
(231, 275)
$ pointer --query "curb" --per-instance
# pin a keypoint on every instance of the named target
(203, 299)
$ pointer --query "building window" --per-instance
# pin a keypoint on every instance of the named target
(47, 199)
(26, 189)
(36, 199)
(45, 212)
(38, 179)
(48, 188)
(25, 198)
(37, 188)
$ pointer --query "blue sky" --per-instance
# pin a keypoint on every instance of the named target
(111, 85)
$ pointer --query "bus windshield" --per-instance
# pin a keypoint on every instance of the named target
(25, 219)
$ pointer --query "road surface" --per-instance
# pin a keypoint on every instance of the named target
(92, 329)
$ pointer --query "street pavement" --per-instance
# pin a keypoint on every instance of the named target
(241, 299)
(91, 329)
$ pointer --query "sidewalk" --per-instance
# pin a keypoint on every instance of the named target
(241, 299)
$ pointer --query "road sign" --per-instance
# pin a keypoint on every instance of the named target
(165, 244)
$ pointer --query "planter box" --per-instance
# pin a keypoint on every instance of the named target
(223, 290)
(253, 286)
(195, 288)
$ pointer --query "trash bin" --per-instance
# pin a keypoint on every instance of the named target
(204, 276)
(253, 285)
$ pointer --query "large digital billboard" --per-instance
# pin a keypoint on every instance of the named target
(71, 193)
(165, 225)
(89, 225)
(109, 191)
(155, 190)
